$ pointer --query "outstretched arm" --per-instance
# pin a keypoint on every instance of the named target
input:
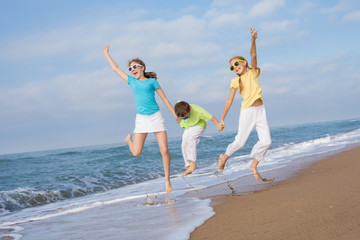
(113, 64)
(227, 106)
(253, 48)
(166, 102)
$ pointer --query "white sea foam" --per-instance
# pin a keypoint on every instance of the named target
(10, 232)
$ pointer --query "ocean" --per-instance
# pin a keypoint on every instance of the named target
(103, 192)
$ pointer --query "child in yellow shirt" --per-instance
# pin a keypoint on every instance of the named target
(252, 113)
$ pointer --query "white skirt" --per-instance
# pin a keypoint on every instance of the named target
(149, 123)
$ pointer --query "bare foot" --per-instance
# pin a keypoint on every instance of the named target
(189, 170)
(222, 161)
(255, 172)
(128, 139)
(168, 186)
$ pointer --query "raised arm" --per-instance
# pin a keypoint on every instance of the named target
(166, 101)
(253, 48)
(228, 104)
(113, 64)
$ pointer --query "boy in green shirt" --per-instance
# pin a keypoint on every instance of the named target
(193, 119)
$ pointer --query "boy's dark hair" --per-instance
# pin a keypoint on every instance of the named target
(181, 109)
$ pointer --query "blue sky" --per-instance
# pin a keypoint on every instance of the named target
(57, 89)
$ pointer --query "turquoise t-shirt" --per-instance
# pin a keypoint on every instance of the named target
(198, 117)
(144, 94)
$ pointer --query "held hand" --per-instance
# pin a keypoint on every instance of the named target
(220, 127)
(222, 124)
(106, 50)
(253, 33)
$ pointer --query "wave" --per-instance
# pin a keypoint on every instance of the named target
(26, 197)
(68, 153)
(75, 187)
(21, 198)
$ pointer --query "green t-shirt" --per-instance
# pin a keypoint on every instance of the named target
(198, 117)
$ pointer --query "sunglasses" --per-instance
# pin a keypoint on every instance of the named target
(184, 118)
(237, 63)
(135, 66)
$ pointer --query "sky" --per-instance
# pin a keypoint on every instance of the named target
(58, 91)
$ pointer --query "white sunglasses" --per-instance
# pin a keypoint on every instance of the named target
(135, 66)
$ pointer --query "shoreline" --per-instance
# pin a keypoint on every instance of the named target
(318, 199)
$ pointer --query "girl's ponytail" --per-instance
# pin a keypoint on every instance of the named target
(150, 75)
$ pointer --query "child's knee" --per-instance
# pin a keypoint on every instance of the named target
(136, 152)
(239, 144)
(267, 142)
(164, 151)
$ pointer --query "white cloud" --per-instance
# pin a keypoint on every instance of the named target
(55, 43)
(222, 3)
(204, 90)
(265, 8)
(62, 96)
(277, 26)
(328, 67)
(341, 7)
(311, 78)
(305, 7)
(220, 19)
(352, 16)
(184, 41)
(235, 14)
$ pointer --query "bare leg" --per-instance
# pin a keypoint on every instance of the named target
(222, 161)
(136, 145)
(190, 169)
(253, 168)
(161, 138)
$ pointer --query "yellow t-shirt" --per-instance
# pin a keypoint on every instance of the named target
(251, 90)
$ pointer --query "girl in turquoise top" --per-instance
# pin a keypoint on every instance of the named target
(148, 117)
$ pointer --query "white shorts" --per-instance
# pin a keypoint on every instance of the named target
(149, 123)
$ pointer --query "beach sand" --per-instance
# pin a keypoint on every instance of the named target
(321, 201)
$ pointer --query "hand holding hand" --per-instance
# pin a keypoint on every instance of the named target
(220, 126)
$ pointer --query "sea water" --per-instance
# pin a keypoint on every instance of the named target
(103, 192)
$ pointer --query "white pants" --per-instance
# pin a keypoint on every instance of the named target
(190, 139)
(250, 118)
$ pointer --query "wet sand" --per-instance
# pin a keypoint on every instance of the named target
(321, 201)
